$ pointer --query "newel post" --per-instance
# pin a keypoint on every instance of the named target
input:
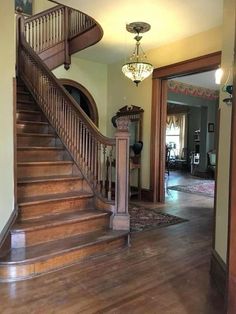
(121, 220)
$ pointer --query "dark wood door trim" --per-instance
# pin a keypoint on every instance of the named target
(231, 299)
(158, 114)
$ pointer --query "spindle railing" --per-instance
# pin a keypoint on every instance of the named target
(95, 154)
(49, 28)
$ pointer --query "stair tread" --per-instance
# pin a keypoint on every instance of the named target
(26, 101)
(49, 178)
(23, 92)
(57, 219)
(37, 134)
(58, 162)
(28, 111)
(54, 197)
(40, 148)
(58, 247)
(32, 122)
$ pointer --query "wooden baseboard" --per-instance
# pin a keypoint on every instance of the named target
(147, 195)
(5, 240)
(218, 272)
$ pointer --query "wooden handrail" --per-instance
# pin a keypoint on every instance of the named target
(93, 152)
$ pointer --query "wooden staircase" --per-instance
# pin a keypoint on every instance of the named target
(58, 223)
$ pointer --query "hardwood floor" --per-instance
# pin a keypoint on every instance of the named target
(165, 271)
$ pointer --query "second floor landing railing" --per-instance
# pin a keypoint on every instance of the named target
(55, 28)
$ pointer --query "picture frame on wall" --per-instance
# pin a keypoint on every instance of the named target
(24, 7)
(211, 127)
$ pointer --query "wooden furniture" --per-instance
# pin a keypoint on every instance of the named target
(135, 115)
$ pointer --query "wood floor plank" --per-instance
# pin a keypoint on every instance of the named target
(165, 271)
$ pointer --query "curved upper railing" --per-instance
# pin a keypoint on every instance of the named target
(96, 155)
(56, 33)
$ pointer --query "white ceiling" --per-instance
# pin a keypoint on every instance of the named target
(170, 20)
(206, 80)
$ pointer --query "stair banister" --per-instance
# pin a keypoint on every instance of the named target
(87, 146)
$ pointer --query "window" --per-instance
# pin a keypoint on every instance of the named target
(175, 134)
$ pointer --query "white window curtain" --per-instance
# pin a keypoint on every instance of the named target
(178, 121)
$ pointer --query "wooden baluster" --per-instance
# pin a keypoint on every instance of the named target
(95, 162)
(99, 167)
(36, 35)
(59, 26)
(70, 19)
(86, 150)
(89, 152)
(104, 171)
(109, 174)
(83, 147)
(121, 220)
(67, 59)
(92, 159)
(47, 31)
(42, 33)
(81, 139)
(77, 124)
(33, 35)
(71, 129)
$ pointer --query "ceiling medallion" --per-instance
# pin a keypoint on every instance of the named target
(137, 69)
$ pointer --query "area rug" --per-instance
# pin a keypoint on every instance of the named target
(142, 218)
(205, 188)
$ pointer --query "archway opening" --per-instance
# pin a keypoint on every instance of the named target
(83, 97)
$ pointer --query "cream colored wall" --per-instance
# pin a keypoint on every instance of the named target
(93, 76)
(119, 87)
(225, 133)
(41, 5)
(7, 70)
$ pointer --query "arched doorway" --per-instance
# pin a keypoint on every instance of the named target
(83, 98)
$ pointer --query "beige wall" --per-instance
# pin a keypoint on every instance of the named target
(122, 91)
(7, 70)
(93, 76)
(41, 5)
(225, 132)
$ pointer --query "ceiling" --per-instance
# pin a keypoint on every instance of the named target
(206, 80)
(170, 20)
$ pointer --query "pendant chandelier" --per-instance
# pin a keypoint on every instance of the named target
(137, 69)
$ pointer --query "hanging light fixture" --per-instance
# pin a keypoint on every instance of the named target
(137, 69)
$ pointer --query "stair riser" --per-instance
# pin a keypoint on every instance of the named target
(27, 106)
(42, 155)
(21, 96)
(36, 268)
(51, 233)
(30, 116)
(50, 188)
(48, 141)
(27, 171)
(54, 207)
(34, 128)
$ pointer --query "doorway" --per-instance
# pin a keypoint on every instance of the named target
(191, 129)
(159, 113)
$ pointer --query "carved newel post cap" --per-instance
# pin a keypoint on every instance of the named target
(19, 10)
(123, 124)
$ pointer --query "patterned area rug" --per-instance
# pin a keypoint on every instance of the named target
(205, 187)
(142, 218)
